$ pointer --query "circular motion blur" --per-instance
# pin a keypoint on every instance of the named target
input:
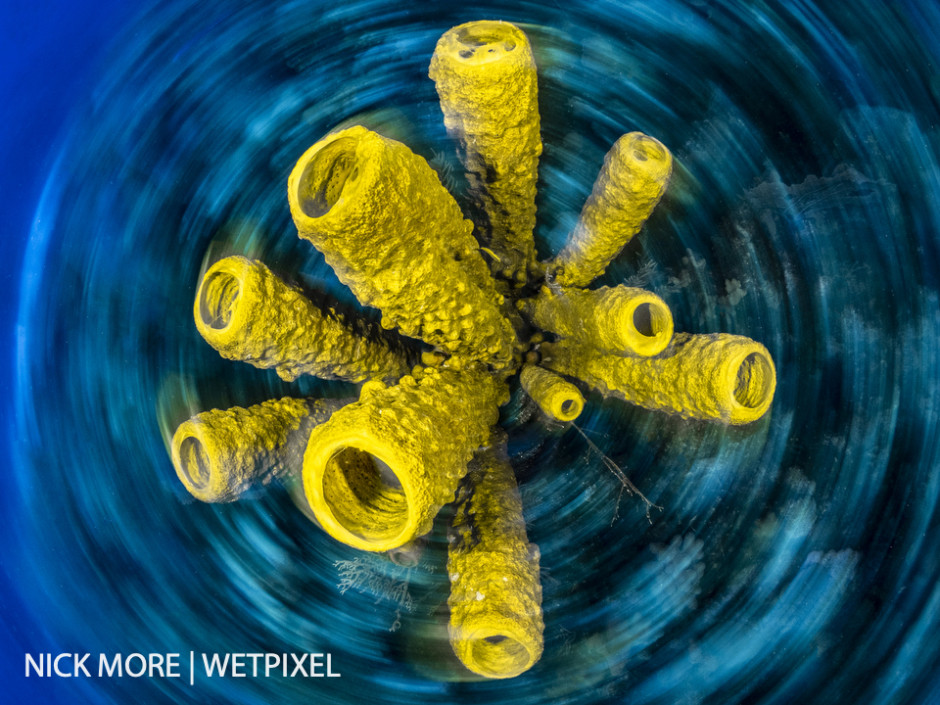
(769, 540)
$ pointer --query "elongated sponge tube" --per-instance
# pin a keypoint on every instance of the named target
(220, 454)
(486, 81)
(619, 319)
(556, 397)
(377, 473)
(718, 376)
(634, 177)
(397, 239)
(495, 596)
(246, 312)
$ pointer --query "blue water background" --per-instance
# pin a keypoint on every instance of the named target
(49, 52)
(795, 560)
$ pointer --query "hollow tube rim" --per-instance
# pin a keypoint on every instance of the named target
(657, 170)
(316, 459)
(453, 43)
(209, 490)
(561, 398)
(361, 135)
(742, 413)
(469, 636)
(243, 269)
(635, 341)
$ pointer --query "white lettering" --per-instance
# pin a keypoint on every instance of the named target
(218, 665)
(128, 669)
(111, 668)
(299, 665)
(80, 665)
(56, 666)
(38, 667)
(270, 661)
(138, 665)
(254, 663)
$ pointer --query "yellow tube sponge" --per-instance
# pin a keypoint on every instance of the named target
(397, 239)
(619, 319)
(219, 454)
(377, 473)
(718, 376)
(635, 174)
(556, 397)
(495, 596)
(486, 81)
(246, 312)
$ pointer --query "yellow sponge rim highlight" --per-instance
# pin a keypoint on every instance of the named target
(555, 396)
(645, 324)
(748, 379)
(219, 316)
(465, 43)
(381, 521)
(494, 646)
(327, 174)
(192, 457)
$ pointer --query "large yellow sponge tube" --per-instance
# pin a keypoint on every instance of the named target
(634, 177)
(486, 79)
(718, 376)
(246, 312)
(397, 239)
(377, 473)
(220, 454)
(495, 595)
(620, 319)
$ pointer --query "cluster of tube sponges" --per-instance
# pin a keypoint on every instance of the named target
(423, 433)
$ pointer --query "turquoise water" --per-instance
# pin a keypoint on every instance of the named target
(793, 560)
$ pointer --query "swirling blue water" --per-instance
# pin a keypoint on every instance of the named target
(794, 560)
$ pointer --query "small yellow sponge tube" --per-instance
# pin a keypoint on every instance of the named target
(220, 454)
(558, 398)
(718, 376)
(397, 239)
(619, 319)
(377, 473)
(247, 313)
(486, 81)
(495, 596)
(635, 174)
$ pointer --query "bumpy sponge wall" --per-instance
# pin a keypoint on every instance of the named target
(247, 313)
(635, 174)
(719, 376)
(495, 596)
(220, 454)
(397, 239)
(377, 473)
(486, 81)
